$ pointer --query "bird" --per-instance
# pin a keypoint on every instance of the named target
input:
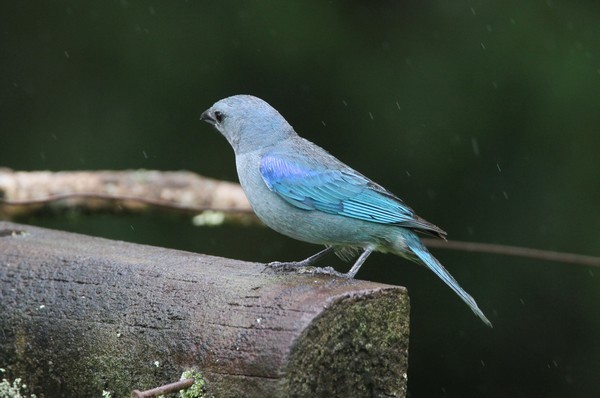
(302, 191)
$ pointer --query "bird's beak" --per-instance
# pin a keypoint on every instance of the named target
(206, 116)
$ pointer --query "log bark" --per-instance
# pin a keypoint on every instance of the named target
(79, 315)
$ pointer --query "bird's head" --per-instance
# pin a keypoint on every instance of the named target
(247, 122)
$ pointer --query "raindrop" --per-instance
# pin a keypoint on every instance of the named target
(371, 116)
(475, 146)
(67, 54)
(323, 123)
(345, 103)
(568, 379)
(145, 154)
(399, 108)
(498, 167)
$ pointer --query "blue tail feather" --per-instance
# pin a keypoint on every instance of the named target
(414, 244)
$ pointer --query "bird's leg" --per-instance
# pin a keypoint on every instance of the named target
(359, 262)
(304, 263)
(348, 275)
(300, 265)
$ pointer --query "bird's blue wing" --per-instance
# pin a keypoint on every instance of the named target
(343, 192)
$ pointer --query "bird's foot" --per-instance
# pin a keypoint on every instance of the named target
(286, 266)
(325, 271)
(302, 267)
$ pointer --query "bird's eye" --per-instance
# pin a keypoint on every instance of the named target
(219, 116)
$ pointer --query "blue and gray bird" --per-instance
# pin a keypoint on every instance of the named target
(300, 190)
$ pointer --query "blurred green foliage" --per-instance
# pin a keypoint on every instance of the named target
(483, 116)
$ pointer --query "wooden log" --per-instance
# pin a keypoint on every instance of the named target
(80, 314)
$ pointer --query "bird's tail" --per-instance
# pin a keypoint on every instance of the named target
(416, 246)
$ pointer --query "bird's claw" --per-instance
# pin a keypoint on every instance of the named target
(300, 268)
(284, 265)
(325, 271)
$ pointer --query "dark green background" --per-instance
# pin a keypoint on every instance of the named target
(483, 116)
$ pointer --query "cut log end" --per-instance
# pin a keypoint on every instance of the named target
(358, 347)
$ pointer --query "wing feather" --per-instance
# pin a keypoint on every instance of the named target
(341, 192)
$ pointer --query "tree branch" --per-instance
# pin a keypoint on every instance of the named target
(134, 191)
(491, 248)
